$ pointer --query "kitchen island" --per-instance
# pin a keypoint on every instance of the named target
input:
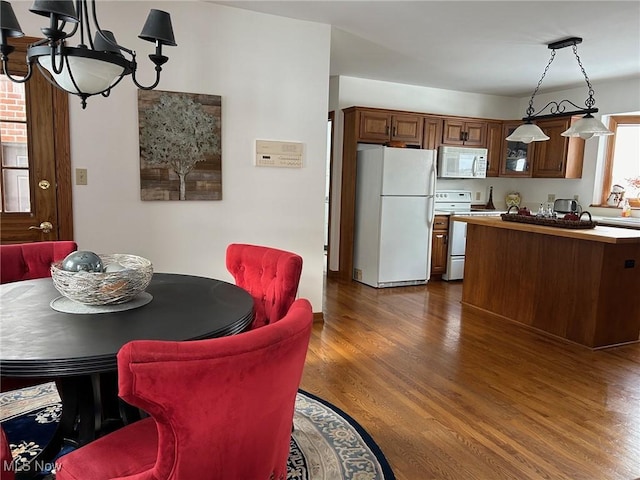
(582, 285)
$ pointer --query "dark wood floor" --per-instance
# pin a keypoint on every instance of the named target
(448, 392)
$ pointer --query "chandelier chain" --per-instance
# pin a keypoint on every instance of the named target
(530, 109)
(590, 101)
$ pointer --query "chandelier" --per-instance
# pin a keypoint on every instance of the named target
(98, 63)
(586, 127)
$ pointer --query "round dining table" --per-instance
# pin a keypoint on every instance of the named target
(39, 339)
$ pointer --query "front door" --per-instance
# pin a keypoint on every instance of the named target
(35, 186)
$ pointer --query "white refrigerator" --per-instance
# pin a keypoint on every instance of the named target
(394, 216)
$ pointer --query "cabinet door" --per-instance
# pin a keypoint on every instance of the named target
(558, 157)
(432, 133)
(516, 156)
(374, 127)
(475, 134)
(407, 128)
(494, 147)
(439, 244)
(453, 132)
(467, 133)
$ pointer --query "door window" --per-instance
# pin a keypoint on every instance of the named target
(15, 185)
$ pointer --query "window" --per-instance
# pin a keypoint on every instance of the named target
(622, 160)
(15, 188)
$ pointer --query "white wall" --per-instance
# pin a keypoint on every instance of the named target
(614, 97)
(273, 76)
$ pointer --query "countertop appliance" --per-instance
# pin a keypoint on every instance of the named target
(566, 205)
(394, 216)
(457, 202)
(462, 162)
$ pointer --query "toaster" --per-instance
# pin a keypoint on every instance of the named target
(565, 205)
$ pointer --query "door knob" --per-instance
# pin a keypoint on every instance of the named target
(45, 227)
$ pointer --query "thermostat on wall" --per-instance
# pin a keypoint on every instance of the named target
(278, 154)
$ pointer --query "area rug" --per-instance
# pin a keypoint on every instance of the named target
(327, 444)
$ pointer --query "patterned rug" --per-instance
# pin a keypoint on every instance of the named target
(326, 443)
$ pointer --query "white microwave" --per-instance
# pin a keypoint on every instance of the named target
(462, 162)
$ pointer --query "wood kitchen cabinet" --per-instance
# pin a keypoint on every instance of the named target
(494, 148)
(516, 157)
(378, 126)
(432, 132)
(439, 244)
(558, 157)
(469, 133)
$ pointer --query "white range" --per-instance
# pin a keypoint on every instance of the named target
(457, 202)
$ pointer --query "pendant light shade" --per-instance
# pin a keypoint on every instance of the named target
(95, 66)
(527, 133)
(586, 127)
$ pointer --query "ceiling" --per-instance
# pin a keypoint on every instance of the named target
(490, 47)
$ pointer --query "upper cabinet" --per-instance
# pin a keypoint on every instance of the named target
(515, 159)
(432, 132)
(381, 127)
(470, 133)
(494, 148)
(558, 157)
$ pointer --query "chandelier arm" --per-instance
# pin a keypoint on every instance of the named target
(142, 87)
(530, 109)
(83, 13)
(57, 69)
(12, 78)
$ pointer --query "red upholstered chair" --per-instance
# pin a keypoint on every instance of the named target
(6, 467)
(270, 275)
(220, 408)
(26, 261)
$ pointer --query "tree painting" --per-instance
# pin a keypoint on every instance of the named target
(180, 148)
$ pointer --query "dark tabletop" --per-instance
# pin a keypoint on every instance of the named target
(38, 341)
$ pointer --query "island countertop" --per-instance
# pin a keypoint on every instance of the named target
(574, 284)
(600, 233)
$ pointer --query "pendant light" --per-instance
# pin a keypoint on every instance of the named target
(98, 63)
(586, 127)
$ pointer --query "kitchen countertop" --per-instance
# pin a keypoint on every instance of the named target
(600, 233)
(626, 222)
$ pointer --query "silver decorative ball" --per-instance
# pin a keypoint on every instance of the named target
(82, 261)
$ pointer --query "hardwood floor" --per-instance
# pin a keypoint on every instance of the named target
(449, 392)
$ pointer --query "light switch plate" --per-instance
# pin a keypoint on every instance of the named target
(81, 176)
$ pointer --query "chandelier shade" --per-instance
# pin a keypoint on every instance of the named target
(585, 128)
(8, 22)
(95, 65)
(62, 9)
(158, 28)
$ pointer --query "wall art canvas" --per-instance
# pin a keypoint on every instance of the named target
(180, 145)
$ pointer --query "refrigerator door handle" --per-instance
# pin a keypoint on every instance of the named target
(433, 174)
(430, 211)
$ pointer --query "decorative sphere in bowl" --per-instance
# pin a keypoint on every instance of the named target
(82, 261)
(111, 287)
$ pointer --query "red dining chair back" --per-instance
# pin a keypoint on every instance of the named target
(270, 275)
(27, 261)
(7, 471)
(219, 408)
